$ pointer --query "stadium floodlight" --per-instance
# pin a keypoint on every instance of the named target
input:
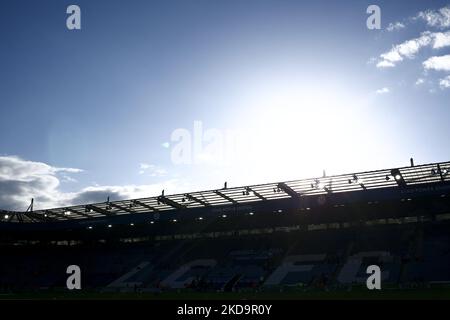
(315, 185)
(109, 226)
(200, 218)
(251, 213)
(132, 224)
(439, 171)
(67, 213)
(90, 227)
(353, 180)
(174, 220)
(442, 172)
(398, 177)
(224, 216)
(152, 222)
(319, 185)
(359, 181)
(6, 217)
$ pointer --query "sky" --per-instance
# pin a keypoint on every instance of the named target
(183, 95)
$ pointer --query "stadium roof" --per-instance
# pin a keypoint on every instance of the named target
(397, 177)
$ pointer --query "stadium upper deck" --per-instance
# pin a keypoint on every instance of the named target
(405, 179)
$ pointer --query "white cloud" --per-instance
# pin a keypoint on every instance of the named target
(436, 18)
(21, 180)
(68, 170)
(395, 26)
(385, 64)
(410, 48)
(433, 18)
(102, 193)
(144, 166)
(392, 56)
(445, 82)
(420, 81)
(67, 178)
(439, 63)
(152, 170)
(165, 145)
(383, 90)
(441, 40)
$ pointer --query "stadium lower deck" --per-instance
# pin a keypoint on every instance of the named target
(412, 256)
(282, 249)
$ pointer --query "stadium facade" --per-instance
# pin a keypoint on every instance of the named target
(311, 233)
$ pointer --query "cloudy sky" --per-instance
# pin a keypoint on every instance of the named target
(183, 95)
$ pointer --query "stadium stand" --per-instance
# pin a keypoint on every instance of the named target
(285, 235)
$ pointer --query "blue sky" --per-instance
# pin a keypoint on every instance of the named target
(299, 86)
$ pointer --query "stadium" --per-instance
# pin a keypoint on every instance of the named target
(300, 239)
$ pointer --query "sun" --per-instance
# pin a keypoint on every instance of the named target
(295, 130)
